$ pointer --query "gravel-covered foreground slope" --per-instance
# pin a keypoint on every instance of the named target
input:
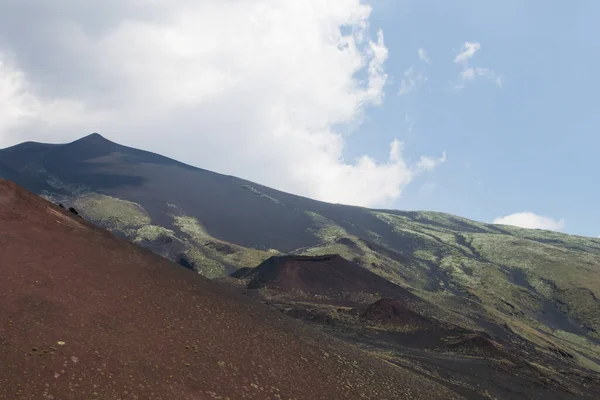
(87, 315)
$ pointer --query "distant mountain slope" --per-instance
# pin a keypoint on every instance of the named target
(7, 173)
(86, 315)
(541, 284)
(96, 164)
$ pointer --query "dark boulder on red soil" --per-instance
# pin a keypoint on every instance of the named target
(327, 276)
(86, 315)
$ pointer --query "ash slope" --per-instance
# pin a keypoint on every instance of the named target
(329, 276)
(86, 314)
(544, 285)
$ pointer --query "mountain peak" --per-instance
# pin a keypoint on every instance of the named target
(88, 147)
(95, 140)
(94, 136)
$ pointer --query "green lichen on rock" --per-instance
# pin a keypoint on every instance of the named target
(211, 255)
(204, 264)
(115, 214)
(151, 233)
(325, 229)
(191, 226)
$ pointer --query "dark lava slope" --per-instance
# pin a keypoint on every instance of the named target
(231, 209)
(87, 315)
(228, 207)
(329, 275)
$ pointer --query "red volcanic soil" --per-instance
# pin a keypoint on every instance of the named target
(391, 311)
(330, 275)
(86, 315)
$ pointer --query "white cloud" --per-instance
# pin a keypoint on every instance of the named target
(255, 89)
(423, 55)
(429, 163)
(414, 77)
(469, 49)
(408, 83)
(411, 81)
(467, 73)
(530, 220)
(489, 74)
(19, 107)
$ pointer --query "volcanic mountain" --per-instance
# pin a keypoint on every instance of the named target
(542, 286)
(88, 315)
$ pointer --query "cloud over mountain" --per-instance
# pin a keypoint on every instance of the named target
(530, 220)
(266, 90)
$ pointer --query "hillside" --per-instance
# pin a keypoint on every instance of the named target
(87, 315)
(483, 360)
(329, 276)
(545, 286)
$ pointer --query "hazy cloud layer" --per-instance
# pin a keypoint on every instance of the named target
(262, 89)
(423, 55)
(414, 76)
(530, 220)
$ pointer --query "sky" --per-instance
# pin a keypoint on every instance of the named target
(484, 109)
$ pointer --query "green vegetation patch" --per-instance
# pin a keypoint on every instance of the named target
(111, 212)
(191, 226)
(152, 233)
(326, 230)
(204, 264)
(211, 255)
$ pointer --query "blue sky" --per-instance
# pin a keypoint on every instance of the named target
(530, 145)
(345, 101)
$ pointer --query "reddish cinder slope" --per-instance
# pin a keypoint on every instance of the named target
(86, 315)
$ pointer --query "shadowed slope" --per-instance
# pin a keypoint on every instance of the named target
(6, 172)
(87, 315)
(95, 164)
(391, 311)
(477, 344)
